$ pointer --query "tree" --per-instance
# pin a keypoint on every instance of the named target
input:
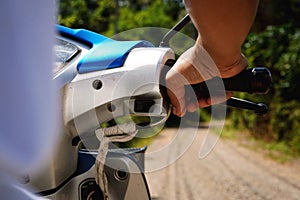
(93, 15)
(107, 16)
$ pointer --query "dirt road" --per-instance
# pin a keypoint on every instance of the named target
(230, 171)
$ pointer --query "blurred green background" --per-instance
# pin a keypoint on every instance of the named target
(274, 42)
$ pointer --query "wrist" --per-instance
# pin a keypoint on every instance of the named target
(234, 68)
(227, 61)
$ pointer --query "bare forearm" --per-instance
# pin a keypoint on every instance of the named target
(223, 26)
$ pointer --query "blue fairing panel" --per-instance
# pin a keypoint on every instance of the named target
(105, 53)
(109, 54)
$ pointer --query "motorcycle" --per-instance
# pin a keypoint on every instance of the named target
(102, 80)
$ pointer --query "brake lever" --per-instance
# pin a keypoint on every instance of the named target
(258, 108)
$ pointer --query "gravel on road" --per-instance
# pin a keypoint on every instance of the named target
(230, 171)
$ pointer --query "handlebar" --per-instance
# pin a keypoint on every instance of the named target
(253, 81)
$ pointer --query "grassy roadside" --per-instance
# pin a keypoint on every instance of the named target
(278, 151)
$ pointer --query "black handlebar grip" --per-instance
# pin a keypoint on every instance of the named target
(255, 80)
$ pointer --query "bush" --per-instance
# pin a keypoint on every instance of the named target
(277, 48)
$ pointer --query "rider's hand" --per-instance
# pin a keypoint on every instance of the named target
(223, 27)
(196, 66)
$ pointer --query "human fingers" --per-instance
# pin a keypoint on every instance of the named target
(205, 102)
(192, 107)
(181, 74)
(177, 99)
(176, 92)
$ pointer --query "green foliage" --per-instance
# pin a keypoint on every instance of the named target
(152, 16)
(278, 48)
(70, 10)
(100, 17)
(89, 14)
(113, 16)
(288, 67)
(265, 48)
(285, 120)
